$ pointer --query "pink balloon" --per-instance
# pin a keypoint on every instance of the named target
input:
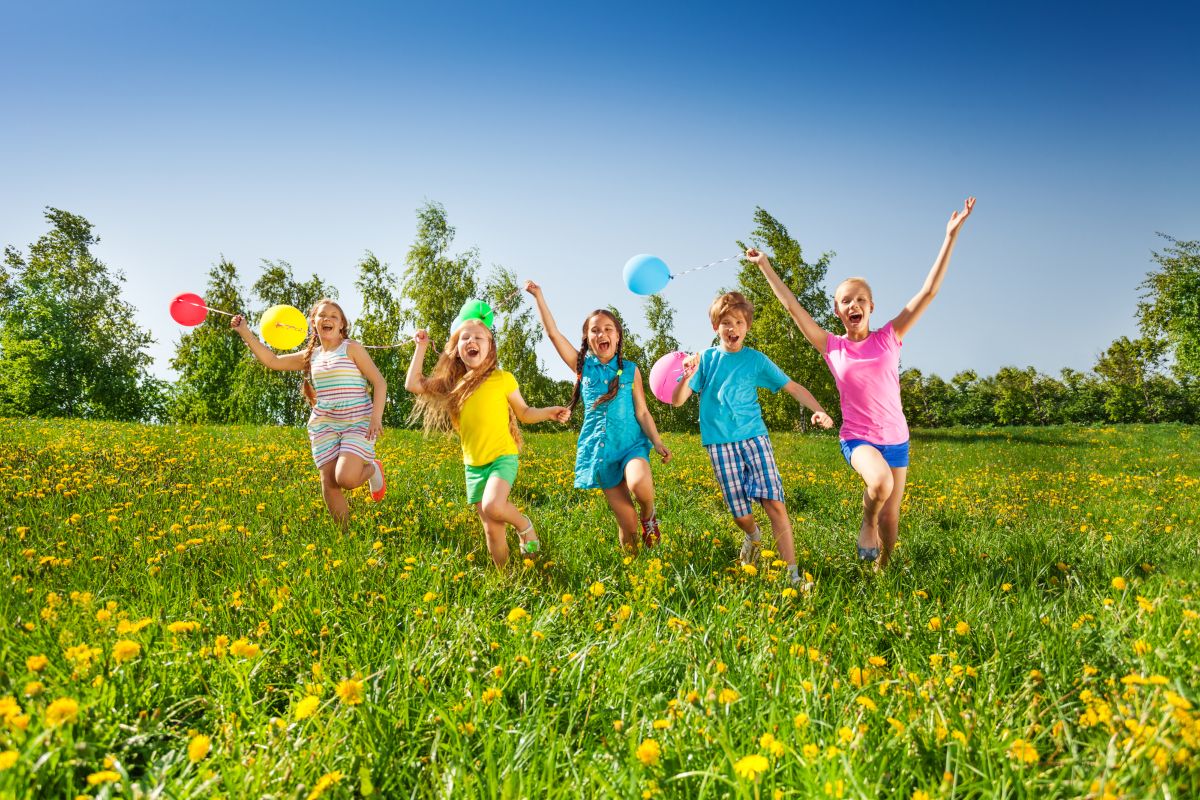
(665, 374)
(188, 309)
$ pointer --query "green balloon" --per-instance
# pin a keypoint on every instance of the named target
(477, 310)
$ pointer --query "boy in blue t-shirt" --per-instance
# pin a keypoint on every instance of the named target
(732, 428)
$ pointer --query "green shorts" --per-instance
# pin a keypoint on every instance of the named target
(477, 477)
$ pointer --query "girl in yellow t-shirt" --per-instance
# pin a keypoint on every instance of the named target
(468, 393)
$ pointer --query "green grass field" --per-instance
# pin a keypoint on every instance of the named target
(181, 619)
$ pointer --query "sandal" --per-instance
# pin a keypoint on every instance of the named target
(868, 554)
(651, 534)
(529, 547)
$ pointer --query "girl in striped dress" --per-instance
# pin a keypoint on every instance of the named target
(345, 420)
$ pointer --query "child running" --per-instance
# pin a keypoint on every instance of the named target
(866, 368)
(613, 453)
(345, 420)
(468, 393)
(732, 428)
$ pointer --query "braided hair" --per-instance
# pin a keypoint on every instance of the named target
(306, 385)
(615, 384)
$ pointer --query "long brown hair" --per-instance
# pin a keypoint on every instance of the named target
(445, 392)
(306, 385)
(615, 384)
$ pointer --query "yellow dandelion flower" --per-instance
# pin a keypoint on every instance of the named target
(772, 745)
(103, 776)
(750, 570)
(935, 624)
(751, 767)
(34, 688)
(1119, 583)
(962, 628)
(36, 663)
(877, 661)
(846, 734)
(800, 720)
(866, 703)
(8, 759)
(184, 626)
(324, 782)
(810, 751)
(306, 707)
(517, 615)
(897, 726)
(1023, 752)
(856, 676)
(492, 694)
(649, 752)
(596, 589)
(198, 748)
(243, 648)
(125, 650)
(726, 696)
(624, 613)
(350, 691)
(662, 724)
(62, 711)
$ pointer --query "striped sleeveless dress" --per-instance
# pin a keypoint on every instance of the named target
(339, 421)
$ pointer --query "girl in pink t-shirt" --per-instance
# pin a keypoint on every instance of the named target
(866, 368)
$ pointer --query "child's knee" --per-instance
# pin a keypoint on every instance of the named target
(879, 486)
(490, 507)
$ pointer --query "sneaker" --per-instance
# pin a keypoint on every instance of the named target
(651, 534)
(749, 553)
(377, 494)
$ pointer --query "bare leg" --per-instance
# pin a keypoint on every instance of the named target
(352, 472)
(493, 531)
(877, 475)
(889, 515)
(641, 485)
(622, 508)
(497, 508)
(335, 501)
(781, 527)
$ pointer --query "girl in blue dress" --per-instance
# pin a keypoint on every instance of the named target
(613, 453)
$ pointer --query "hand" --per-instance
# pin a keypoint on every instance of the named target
(374, 429)
(757, 257)
(958, 217)
(665, 453)
(533, 288)
(560, 414)
(690, 365)
(822, 419)
(421, 337)
(237, 321)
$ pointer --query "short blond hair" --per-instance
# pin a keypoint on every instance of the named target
(860, 281)
(731, 303)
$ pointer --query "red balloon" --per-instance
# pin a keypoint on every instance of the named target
(188, 309)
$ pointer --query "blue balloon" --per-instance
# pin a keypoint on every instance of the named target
(646, 274)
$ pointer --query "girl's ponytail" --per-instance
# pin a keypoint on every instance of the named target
(583, 348)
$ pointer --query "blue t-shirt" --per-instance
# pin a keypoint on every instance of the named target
(728, 384)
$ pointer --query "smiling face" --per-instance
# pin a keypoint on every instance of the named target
(329, 322)
(474, 344)
(603, 335)
(732, 328)
(853, 304)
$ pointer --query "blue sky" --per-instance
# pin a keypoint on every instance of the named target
(563, 139)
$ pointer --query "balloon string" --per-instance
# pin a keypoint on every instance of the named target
(706, 266)
(206, 308)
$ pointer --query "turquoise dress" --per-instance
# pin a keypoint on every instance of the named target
(611, 436)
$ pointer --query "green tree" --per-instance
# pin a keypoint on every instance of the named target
(974, 399)
(1128, 368)
(1170, 307)
(435, 285)
(517, 338)
(262, 395)
(774, 333)
(207, 358)
(69, 346)
(1083, 397)
(379, 324)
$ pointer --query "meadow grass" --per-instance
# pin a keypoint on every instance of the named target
(182, 619)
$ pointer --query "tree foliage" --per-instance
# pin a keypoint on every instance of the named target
(1170, 305)
(379, 324)
(69, 345)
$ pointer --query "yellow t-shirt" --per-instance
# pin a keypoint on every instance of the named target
(483, 423)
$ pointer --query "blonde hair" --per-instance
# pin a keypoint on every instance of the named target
(444, 393)
(731, 303)
(860, 281)
(306, 385)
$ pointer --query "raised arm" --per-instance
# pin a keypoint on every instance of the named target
(908, 315)
(805, 398)
(645, 419)
(414, 379)
(366, 365)
(683, 389)
(561, 343)
(528, 415)
(292, 362)
(815, 334)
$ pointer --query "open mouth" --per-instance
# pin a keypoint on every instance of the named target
(854, 317)
(603, 346)
(472, 351)
(326, 326)
(732, 339)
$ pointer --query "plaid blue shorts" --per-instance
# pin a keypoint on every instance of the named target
(746, 471)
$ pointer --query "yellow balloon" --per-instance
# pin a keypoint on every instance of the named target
(283, 327)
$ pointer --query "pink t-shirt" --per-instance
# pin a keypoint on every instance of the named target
(867, 375)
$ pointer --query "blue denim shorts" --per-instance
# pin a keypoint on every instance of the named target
(896, 455)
